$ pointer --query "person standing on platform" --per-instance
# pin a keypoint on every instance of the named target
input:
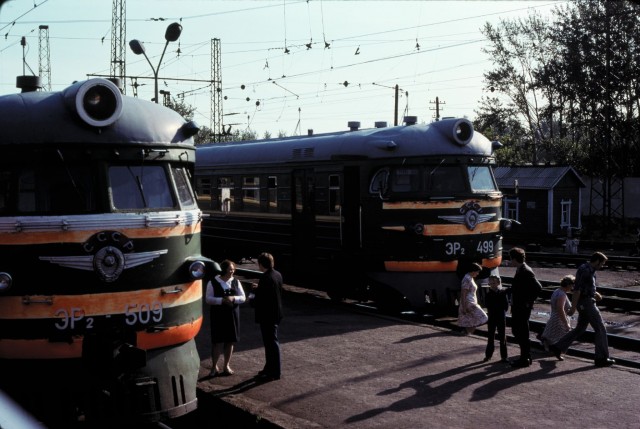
(470, 315)
(497, 303)
(584, 300)
(267, 303)
(525, 289)
(224, 295)
(559, 322)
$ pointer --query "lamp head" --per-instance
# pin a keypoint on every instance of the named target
(173, 32)
(136, 46)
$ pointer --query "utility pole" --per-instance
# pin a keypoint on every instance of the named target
(44, 58)
(437, 108)
(217, 128)
(119, 42)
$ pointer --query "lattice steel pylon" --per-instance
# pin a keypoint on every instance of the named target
(119, 42)
(216, 93)
(44, 58)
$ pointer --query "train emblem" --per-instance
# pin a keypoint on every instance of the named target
(470, 215)
(114, 254)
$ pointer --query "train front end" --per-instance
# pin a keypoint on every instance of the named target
(433, 208)
(100, 263)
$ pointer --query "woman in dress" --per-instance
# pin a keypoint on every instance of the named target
(224, 295)
(470, 315)
(559, 322)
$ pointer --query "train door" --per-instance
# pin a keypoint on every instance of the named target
(351, 228)
(303, 220)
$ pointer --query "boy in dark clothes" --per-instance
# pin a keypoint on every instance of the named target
(497, 303)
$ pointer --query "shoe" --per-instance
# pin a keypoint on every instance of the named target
(228, 371)
(486, 359)
(504, 360)
(604, 362)
(556, 351)
(214, 373)
(264, 376)
(521, 363)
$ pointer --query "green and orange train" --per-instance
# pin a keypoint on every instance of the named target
(389, 214)
(100, 263)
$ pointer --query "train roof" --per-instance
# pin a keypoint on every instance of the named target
(56, 117)
(449, 137)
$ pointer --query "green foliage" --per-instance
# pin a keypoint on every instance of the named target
(573, 85)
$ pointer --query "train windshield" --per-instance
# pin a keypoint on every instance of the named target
(140, 187)
(47, 187)
(436, 180)
(481, 179)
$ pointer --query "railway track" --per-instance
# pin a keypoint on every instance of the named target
(624, 348)
(615, 262)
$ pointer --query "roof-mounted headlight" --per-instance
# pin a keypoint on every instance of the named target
(97, 101)
(5, 281)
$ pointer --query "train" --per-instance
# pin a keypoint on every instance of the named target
(101, 269)
(388, 214)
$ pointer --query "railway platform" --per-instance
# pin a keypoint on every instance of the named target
(346, 369)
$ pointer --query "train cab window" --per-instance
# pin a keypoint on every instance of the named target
(481, 179)
(334, 194)
(49, 188)
(140, 187)
(185, 193)
(272, 190)
(380, 182)
(5, 187)
(405, 180)
(445, 180)
(251, 194)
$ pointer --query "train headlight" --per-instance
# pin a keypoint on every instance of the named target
(5, 281)
(98, 102)
(197, 270)
(507, 224)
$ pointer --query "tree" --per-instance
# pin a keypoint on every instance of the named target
(572, 83)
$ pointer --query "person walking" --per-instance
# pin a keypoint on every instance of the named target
(497, 303)
(470, 315)
(525, 288)
(224, 294)
(267, 303)
(559, 322)
(584, 300)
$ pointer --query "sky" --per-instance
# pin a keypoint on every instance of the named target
(286, 66)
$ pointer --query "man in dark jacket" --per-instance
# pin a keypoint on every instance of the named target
(524, 291)
(268, 313)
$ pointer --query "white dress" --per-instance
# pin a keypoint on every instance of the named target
(474, 315)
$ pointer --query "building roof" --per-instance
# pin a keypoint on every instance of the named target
(534, 177)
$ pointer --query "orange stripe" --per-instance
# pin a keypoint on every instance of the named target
(44, 349)
(420, 266)
(457, 229)
(429, 205)
(40, 237)
(14, 307)
(434, 266)
(173, 335)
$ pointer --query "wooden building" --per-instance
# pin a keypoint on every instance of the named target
(546, 200)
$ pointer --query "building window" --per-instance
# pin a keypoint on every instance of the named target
(512, 208)
(565, 213)
(334, 194)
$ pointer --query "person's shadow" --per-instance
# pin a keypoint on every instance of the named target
(428, 395)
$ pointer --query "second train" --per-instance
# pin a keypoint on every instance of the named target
(388, 214)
